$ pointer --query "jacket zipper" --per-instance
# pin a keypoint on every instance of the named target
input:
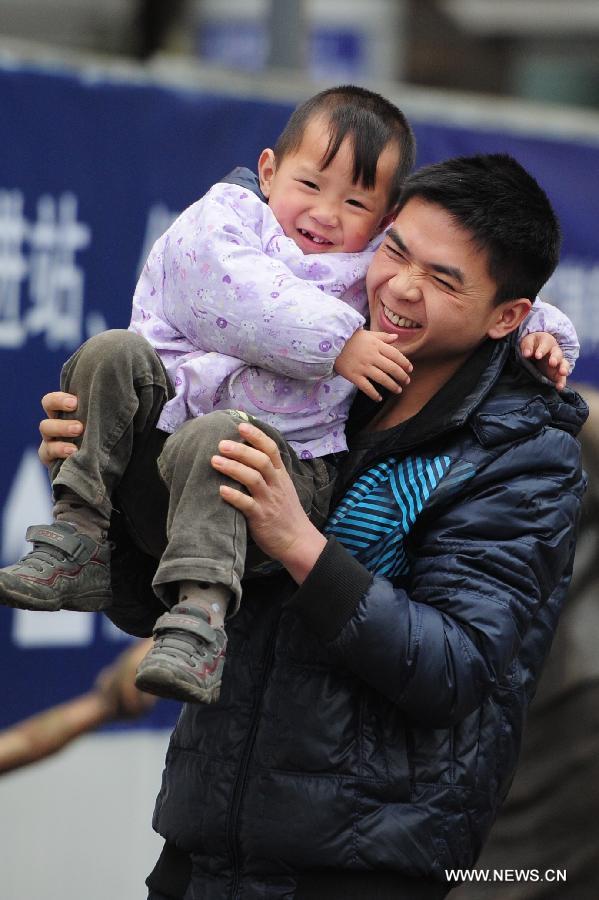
(240, 781)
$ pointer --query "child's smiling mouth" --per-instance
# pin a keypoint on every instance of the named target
(315, 238)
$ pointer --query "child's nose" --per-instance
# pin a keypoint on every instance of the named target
(326, 214)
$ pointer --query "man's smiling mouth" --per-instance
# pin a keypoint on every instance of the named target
(400, 321)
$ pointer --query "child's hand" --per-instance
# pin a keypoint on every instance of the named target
(368, 356)
(543, 350)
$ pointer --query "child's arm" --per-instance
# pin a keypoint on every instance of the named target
(549, 341)
(223, 287)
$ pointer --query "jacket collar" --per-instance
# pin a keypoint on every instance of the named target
(244, 178)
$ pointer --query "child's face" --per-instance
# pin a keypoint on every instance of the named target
(320, 209)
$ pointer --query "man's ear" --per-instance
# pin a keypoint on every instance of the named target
(266, 169)
(508, 317)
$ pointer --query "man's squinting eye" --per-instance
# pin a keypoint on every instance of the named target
(444, 284)
(394, 250)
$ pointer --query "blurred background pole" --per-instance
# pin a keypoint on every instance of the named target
(152, 23)
(287, 32)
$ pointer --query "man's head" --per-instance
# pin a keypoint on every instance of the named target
(474, 240)
(508, 215)
(335, 174)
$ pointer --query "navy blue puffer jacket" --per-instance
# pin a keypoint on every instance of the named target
(373, 721)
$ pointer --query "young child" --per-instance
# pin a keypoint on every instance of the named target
(246, 309)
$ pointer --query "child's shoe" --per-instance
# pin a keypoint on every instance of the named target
(65, 570)
(187, 659)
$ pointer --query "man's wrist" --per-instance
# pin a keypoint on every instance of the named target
(332, 591)
(301, 556)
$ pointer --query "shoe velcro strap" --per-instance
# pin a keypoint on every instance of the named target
(70, 544)
(189, 623)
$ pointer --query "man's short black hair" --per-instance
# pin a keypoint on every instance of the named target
(370, 121)
(506, 211)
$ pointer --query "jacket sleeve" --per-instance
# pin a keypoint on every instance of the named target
(481, 571)
(546, 317)
(233, 284)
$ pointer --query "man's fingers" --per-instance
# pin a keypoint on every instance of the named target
(55, 444)
(248, 456)
(251, 478)
(58, 401)
(55, 429)
(262, 442)
(243, 502)
(48, 452)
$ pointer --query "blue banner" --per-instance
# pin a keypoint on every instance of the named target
(92, 171)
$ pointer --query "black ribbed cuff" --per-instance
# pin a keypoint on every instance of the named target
(328, 597)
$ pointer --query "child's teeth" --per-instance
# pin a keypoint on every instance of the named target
(314, 237)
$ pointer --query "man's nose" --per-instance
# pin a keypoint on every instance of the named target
(405, 286)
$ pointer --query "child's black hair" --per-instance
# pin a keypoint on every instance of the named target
(369, 120)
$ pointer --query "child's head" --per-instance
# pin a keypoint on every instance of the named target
(335, 174)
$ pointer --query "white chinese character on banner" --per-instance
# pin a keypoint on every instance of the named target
(13, 268)
(56, 282)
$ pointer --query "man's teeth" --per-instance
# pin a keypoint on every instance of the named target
(313, 237)
(401, 321)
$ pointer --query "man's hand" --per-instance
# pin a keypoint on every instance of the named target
(368, 356)
(276, 519)
(57, 432)
(542, 349)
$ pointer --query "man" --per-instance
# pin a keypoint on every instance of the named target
(370, 720)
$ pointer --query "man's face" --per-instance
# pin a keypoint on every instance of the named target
(321, 209)
(429, 285)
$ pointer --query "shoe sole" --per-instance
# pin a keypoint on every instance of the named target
(167, 682)
(82, 603)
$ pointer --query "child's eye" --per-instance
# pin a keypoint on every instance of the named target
(356, 203)
(310, 184)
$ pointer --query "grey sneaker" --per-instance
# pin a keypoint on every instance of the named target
(65, 570)
(187, 659)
